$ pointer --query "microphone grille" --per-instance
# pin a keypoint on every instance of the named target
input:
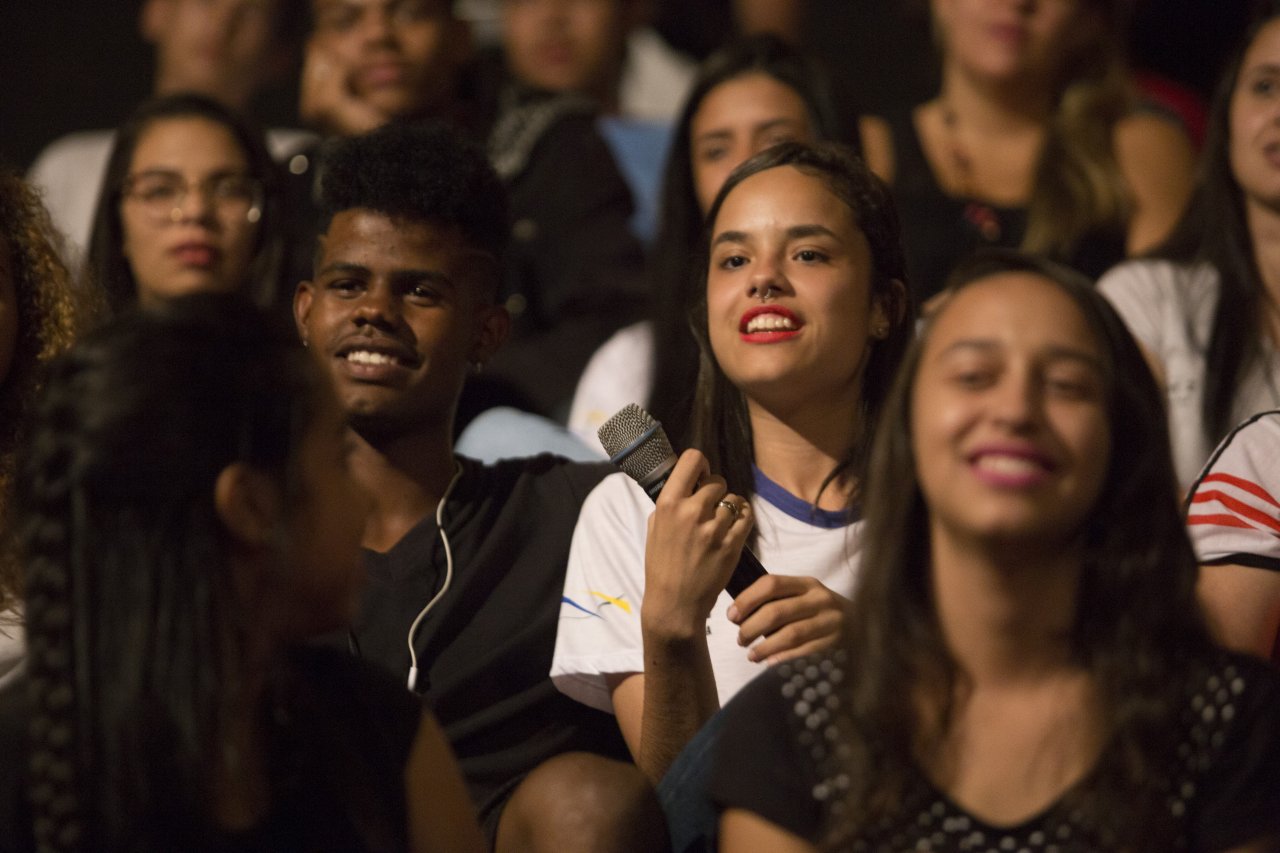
(624, 429)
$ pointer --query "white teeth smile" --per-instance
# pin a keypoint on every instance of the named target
(1008, 464)
(365, 357)
(770, 323)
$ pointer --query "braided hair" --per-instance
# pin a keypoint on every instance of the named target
(135, 640)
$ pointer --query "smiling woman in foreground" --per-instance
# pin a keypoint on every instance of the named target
(1026, 666)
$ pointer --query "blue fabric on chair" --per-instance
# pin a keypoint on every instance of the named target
(503, 432)
(640, 149)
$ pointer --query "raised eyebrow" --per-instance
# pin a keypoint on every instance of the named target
(799, 232)
(730, 237)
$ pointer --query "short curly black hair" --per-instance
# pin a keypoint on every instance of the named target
(421, 171)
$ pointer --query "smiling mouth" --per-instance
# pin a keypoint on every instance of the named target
(375, 358)
(1009, 465)
(770, 323)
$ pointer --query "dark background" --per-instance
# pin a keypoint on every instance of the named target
(70, 65)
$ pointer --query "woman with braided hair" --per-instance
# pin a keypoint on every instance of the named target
(186, 522)
(39, 313)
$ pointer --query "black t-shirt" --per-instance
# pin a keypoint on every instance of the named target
(340, 735)
(778, 757)
(484, 652)
(939, 230)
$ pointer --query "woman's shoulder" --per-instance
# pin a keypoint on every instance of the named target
(618, 502)
(1228, 678)
(1229, 752)
(1157, 160)
(1159, 286)
(1161, 274)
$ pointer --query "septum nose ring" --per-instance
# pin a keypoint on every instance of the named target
(764, 292)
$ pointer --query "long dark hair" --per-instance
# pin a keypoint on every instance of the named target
(1137, 624)
(49, 312)
(674, 259)
(107, 268)
(721, 424)
(1215, 231)
(135, 632)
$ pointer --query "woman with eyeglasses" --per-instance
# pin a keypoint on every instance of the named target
(190, 202)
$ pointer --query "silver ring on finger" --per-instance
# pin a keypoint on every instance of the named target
(732, 507)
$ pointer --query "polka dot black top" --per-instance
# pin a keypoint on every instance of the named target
(780, 756)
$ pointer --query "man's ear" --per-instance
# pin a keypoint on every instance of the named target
(249, 504)
(155, 17)
(302, 297)
(493, 326)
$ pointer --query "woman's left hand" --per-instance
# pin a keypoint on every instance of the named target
(796, 616)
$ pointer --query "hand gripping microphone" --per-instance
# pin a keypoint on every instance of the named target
(636, 443)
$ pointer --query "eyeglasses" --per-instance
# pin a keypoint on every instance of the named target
(162, 194)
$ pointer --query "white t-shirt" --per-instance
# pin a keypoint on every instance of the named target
(1169, 308)
(620, 372)
(1233, 514)
(599, 632)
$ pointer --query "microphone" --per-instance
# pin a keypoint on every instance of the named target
(636, 443)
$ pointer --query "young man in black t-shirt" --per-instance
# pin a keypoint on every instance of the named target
(466, 561)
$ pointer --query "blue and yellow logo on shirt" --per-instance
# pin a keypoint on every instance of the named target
(592, 607)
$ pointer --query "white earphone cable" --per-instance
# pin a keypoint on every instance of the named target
(448, 576)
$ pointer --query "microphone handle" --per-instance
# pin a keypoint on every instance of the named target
(748, 571)
(749, 568)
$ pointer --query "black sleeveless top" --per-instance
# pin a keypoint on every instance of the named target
(938, 229)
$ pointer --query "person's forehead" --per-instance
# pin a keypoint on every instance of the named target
(1018, 308)
(438, 6)
(386, 235)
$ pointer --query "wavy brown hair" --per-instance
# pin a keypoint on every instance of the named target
(49, 313)
(1078, 186)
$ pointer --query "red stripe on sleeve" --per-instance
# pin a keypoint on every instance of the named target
(1218, 520)
(1241, 484)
